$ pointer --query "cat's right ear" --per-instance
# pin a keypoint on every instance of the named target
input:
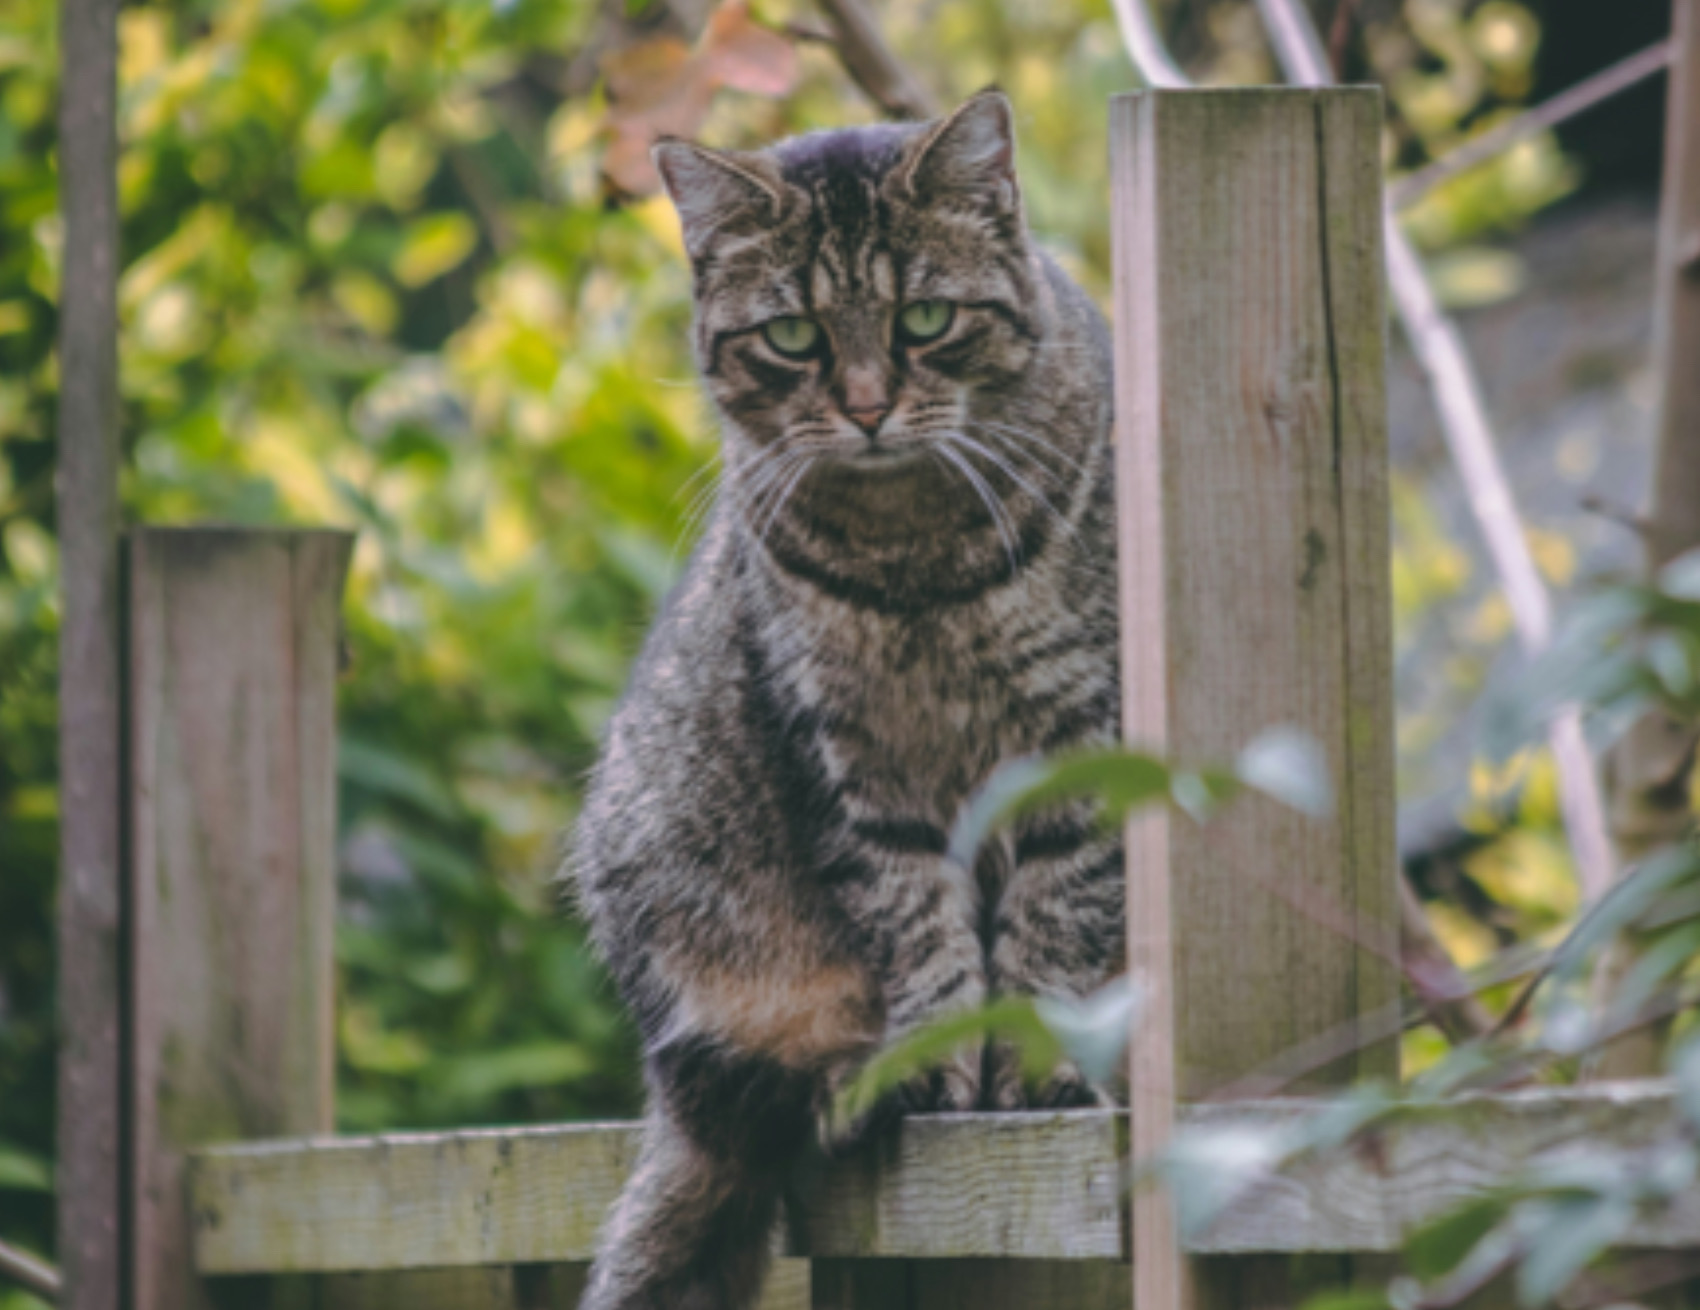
(717, 193)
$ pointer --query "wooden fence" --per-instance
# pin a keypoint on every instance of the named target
(1252, 466)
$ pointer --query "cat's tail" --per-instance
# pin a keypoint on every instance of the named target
(691, 1230)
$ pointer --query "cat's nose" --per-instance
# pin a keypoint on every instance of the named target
(869, 417)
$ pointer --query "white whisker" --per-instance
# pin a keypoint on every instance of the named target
(1029, 440)
(784, 496)
(999, 462)
(988, 497)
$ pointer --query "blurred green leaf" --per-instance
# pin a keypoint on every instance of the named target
(1439, 1246)
(1565, 1237)
(1013, 1019)
(1119, 779)
(485, 1073)
(23, 1171)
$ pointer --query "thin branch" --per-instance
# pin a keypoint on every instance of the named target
(872, 64)
(1387, 1021)
(30, 1273)
(1549, 114)
(1439, 347)
(1433, 974)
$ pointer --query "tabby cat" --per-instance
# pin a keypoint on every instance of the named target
(907, 579)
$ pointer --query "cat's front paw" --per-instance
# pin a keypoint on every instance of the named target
(950, 1088)
(1064, 1088)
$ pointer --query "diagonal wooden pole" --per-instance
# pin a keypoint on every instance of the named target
(90, 927)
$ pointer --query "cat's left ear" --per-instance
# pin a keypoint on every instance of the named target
(968, 156)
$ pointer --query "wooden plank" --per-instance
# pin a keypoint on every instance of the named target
(431, 1289)
(233, 803)
(1255, 589)
(1676, 305)
(406, 1201)
(89, 927)
(1039, 1285)
(944, 1189)
(537, 1195)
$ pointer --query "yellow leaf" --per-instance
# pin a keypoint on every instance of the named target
(365, 300)
(433, 246)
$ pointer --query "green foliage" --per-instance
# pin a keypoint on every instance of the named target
(1281, 763)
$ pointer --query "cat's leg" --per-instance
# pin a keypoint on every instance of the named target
(918, 913)
(1060, 930)
(692, 1227)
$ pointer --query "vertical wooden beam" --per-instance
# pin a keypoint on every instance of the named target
(90, 934)
(233, 663)
(1252, 466)
(1676, 312)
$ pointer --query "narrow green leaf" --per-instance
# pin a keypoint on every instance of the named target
(23, 1171)
(1013, 1019)
(1121, 779)
(1439, 1246)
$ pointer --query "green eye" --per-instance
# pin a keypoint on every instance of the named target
(925, 319)
(796, 337)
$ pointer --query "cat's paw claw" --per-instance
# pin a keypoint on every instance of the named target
(1066, 1088)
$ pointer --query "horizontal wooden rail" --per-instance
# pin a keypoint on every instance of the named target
(1034, 1186)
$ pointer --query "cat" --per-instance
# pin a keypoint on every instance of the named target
(908, 578)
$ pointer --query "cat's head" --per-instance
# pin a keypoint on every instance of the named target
(860, 293)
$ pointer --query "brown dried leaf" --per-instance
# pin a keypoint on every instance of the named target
(746, 56)
(660, 87)
(646, 73)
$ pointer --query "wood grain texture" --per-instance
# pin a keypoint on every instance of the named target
(408, 1201)
(943, 1189)
(537, 1195)
(88, 923)
(956, 1201)
(233, 767)
(1252, 498)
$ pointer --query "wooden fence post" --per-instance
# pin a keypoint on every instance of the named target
(1252, 459)
(233, 665)
(91, 865)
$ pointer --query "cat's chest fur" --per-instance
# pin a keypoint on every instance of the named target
(917, 711)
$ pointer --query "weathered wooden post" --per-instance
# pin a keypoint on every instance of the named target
(90, 930)
(232, 713)
(1252, 460)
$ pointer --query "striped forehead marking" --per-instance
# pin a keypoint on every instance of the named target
(821, 285)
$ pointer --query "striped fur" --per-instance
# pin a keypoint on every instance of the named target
(869, 626)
